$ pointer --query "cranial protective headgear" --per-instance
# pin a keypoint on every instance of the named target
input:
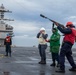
(69, 24)
(42, 29)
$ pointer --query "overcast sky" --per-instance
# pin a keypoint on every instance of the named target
(28, 22)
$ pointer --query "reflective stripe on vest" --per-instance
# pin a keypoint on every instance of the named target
(8, 39)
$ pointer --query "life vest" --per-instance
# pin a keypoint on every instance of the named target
(70, 37)
(41, 40)
(7, 39)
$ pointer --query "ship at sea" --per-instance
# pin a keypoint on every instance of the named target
(4, 27)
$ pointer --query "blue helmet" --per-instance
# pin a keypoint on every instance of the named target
(7, 34)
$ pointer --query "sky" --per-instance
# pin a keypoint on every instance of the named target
(27, 21)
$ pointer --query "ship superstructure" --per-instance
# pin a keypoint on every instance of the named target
(4, 28)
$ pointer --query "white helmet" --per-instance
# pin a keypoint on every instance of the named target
(42, 29)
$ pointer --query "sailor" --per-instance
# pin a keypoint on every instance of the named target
(42, 36)
(54, 46)
(66, 50)
(8, 43)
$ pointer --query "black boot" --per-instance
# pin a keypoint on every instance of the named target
(53, 64)
(73, 69)
(60, 71)
(58, 65)
(6, 54)
(42, 62)
(39, 62)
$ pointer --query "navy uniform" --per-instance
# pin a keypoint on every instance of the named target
(68, 41)
(8, 43)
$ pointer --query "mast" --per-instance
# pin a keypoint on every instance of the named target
(4, 28)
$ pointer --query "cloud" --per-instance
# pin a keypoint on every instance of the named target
(71, 18)
(21, 36)
(25, 40)
(20, 26)
(26, 14)
(29, 26)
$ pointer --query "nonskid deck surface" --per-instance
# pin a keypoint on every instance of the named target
(24, 61)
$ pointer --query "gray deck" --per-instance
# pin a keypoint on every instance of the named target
(24, 61)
